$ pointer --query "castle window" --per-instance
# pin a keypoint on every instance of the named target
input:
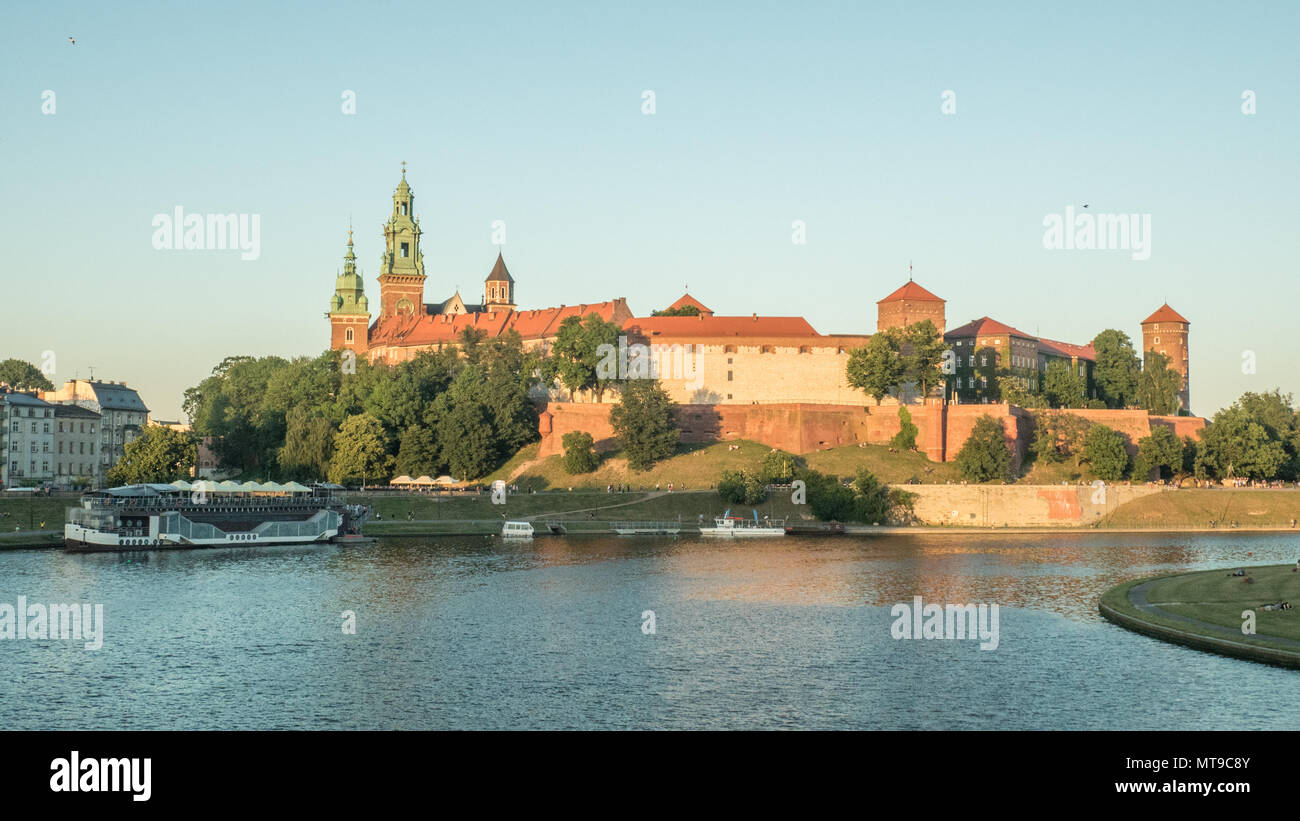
(349, 334)
(1157, 340)
(728, 376)
(803, 350)
(729, 349)
(766, 349)
(406, 250)
(403, 209)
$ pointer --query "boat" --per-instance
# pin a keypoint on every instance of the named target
(735, 526)
(517, 530)
(816, 529)
(180, 515)
(646, 528)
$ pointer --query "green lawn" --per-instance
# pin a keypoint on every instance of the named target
(27, 513)
(1196, 507)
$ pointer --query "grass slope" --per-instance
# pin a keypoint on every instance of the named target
(1196, 507)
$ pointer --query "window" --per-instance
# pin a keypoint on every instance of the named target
(984, 360)
(403, 212)
(728, 376)
(728, 360)
(971, 361)
(729, 349)
(803, 349)
(61, 447)
(348, 335)
(767, 349)
(406, 250)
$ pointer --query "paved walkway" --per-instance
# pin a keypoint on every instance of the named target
(1137, 596)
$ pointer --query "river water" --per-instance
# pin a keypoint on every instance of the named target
(477, 633)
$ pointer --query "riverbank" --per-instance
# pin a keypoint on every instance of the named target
(1206, 610)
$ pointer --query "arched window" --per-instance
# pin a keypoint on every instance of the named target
(348, 334)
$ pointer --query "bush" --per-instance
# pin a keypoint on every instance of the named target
(778, 468)
(985, 455)
(905, 439)
(1104, 450)
(579, 453)
(741, 487)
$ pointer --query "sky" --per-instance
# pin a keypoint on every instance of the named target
(831, 115)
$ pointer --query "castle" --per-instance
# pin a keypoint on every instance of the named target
(733, 360)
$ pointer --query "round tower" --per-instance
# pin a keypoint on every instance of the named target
(1165, 332)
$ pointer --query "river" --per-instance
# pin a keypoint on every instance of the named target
(479, 634)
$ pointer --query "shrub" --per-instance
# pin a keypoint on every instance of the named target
(579, 453)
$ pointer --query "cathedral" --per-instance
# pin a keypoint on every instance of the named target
(406, 324)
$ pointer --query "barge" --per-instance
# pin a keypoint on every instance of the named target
(207, 514)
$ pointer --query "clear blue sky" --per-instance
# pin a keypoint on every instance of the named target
(531, 113)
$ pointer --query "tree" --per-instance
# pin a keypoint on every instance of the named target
(465, 436)
(877, 366)
(579, 452)
(684, 310)
(1158, 385)
(1064, 386)
(741, 487)
(1058, 436)
(643, 422)
(23, 376)
(360, 451)
(778, 467)
(1116, 369)
(1276, 412)
(921, 347)
(1104, 450)
(905, 439)
(418, 453)
(1235, 445)
(159, 454)
(985, 455)
(584, 355)
(1161, 453)
(308, 444)
(871, 498)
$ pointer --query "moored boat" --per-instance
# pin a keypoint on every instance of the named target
(157, 516)
(736, 527)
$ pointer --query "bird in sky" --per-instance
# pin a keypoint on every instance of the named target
(72, 40)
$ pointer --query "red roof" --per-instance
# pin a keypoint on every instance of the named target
(695, 327)
(1166, 314)
(1068, 349)
(535, 324)
(686, 300)
(985, 327)
(911, 291)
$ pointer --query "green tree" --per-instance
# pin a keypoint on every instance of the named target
(878, 366)
(1276, 412)
(1160, 453)
(921, 348)
(23, 376)
(985, 455)
(584, 355)
(579, 452)
(871, 501)
(643, 422)
(684, 310)
(465, 437)
(1234, 445)
(741, 487)
(905, 439)
(778, 467)
(418, 453)
(360, 451)
(1116, 369)
(1104, 450)
(308, 444)
(159, 454)
(1064, 386)
(1158, 385)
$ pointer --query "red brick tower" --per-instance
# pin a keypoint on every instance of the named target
(907, 306)
(1165, 332)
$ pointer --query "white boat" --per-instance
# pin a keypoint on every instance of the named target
(736, 527)
(517, 530)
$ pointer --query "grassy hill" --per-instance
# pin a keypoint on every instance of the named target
(1195, 507)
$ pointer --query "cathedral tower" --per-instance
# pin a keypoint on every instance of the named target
(499, 288)
(349, 313)
(401, 269)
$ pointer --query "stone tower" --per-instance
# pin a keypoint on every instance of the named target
(907, 306)
(1165, 332)
(349, 313)
(499, 288)
(401, 269)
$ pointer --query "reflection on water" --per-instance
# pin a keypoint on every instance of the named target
(476, 633)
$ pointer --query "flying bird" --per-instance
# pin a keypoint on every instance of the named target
(72, 40)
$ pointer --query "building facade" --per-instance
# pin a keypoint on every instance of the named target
(123, 415)
(28, 439)
(76, 446)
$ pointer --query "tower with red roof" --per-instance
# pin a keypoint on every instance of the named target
(1165, 331)
(907, 306)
